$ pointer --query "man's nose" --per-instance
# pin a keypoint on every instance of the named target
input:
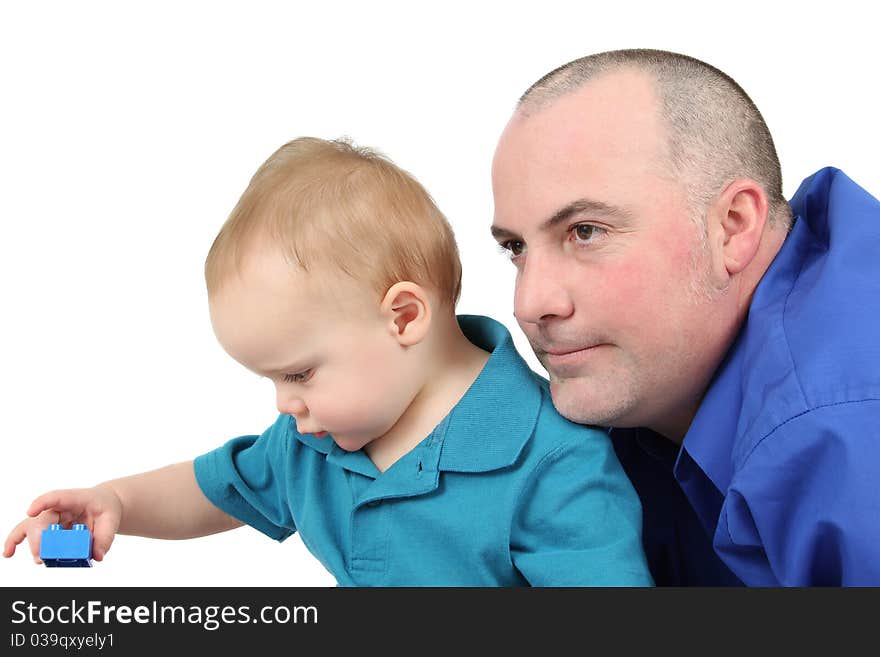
(541, 293)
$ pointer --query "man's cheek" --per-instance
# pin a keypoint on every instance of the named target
(627, 293)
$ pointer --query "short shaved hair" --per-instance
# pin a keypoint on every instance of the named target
(715, 133)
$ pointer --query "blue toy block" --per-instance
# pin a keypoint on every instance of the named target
(66, 548)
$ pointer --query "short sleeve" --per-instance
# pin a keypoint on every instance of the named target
(578, 521)
(246, 478)
(803, 509)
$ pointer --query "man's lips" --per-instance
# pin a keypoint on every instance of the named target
(566, 352)
(567, 360)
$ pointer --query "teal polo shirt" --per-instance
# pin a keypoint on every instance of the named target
(503, 492)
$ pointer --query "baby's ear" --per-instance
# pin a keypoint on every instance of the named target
(407, 308)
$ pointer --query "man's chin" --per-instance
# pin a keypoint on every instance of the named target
(578, 401)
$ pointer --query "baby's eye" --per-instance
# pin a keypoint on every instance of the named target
(512, 248)
(299, 377)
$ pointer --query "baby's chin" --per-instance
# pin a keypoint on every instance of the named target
(350, 443)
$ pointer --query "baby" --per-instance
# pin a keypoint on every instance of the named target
(413, 447)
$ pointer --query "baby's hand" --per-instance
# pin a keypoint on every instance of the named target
(98, 508)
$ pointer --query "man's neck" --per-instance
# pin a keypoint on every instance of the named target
(674, 425)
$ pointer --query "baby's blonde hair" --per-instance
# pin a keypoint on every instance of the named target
(332, 203)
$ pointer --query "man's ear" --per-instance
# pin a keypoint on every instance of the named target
(737, 220)
(407, 309)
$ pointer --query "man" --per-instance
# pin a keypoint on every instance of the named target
(729, 338)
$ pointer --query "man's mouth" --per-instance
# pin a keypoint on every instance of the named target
(566, 351)
(567, 360)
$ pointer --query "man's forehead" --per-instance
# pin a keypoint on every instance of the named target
(600, 142)
(614, 111)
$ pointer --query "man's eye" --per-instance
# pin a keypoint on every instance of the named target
(512, 248)
(586, 233)
(299, 377)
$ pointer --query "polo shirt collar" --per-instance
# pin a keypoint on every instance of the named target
(495, 418)
(489, 426)
(357, 461)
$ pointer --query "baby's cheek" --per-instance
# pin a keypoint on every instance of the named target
(348, 406)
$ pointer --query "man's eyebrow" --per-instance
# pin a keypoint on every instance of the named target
(503, 234)
(579, 206)
(585, 206)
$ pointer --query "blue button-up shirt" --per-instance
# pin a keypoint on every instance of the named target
(504, 491)
(781, 463)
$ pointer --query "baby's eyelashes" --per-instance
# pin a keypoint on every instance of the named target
(299, 377)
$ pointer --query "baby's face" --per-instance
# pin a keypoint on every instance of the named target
(321, 340)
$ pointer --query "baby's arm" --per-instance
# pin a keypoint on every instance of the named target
(163, 503)
(167, 503)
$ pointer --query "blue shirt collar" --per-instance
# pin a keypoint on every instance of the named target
(489, 426)
(733, 405)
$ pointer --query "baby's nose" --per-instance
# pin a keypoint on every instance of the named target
(292, 406)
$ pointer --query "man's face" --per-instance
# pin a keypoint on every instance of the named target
(321, 341)
(613, 288)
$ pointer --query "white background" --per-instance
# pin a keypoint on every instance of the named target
(127, 134)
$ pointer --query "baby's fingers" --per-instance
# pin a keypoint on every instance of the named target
(103, 534)
(71, 501)
(15, 537)
(27, 528)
